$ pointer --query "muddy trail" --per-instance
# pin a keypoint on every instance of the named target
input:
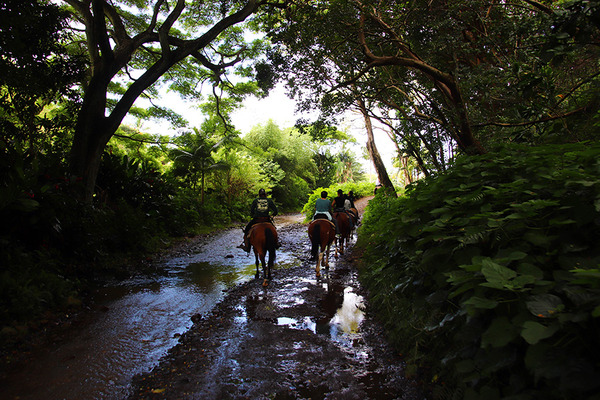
(299, 338)
(202, 327)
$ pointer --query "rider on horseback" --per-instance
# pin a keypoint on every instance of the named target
(343, 203)
(350, 198)
(338, 202)
(259, 210)
(323, 207)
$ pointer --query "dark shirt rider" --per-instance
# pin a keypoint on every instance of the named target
(338, 202)
(339, 205)
(260, 210)
(261, 206)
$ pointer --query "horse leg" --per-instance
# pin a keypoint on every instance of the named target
(319, 259)
(264, 265)
(335, 245)
(257, 264)
(271, 262)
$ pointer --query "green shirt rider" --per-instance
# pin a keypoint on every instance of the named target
(260, 210)
(323, 208)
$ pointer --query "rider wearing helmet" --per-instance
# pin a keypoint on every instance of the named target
(259, 210)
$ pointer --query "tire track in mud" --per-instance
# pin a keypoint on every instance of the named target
(299, 338)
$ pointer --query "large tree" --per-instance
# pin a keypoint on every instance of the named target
(132, 45)
(441, 71)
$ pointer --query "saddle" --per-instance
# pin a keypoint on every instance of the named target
(354, 213)
(262, 220)
(323, 216)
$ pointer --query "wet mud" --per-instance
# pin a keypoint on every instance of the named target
(299, 338)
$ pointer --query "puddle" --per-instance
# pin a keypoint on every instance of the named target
(342, 328)
(306, 324)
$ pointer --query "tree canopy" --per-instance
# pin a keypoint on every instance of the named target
(473, 73)
(133, 47)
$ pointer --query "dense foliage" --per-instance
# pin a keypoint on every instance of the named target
(488, 276)
(446, 75)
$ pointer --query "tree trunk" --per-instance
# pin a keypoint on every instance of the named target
(91, 137)
(446, 83)
(382, 174)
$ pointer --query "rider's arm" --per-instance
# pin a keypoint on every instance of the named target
(273, 207)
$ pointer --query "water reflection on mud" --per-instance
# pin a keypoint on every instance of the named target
(342, 325)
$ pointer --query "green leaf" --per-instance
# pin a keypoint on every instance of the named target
(588, 273)
(499, 334)
(544, 305)
(440, 210)
(497, 275)
(480, 302)
(585, 183)
(495, 223)
(521, 281)
(533, 331)
(515, 255)
(538, 239)
(531, 270)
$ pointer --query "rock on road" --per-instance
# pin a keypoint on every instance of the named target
(299, 338)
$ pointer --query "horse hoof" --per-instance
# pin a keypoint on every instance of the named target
(265, 283)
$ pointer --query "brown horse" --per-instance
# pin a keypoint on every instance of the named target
(263, 238)
(343, 221)
(321, 233)
(353, 213)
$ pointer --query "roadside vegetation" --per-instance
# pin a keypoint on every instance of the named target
(487, 277)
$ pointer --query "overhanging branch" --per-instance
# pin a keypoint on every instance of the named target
(528, 123)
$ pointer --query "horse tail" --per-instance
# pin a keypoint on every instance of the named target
(269, 240)
(316, 240)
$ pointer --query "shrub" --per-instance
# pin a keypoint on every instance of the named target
(487, 276)
(361, 189)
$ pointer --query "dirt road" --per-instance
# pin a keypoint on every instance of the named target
(299, 338)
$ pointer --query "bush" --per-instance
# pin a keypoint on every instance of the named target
(487, 276)
(361, 189)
